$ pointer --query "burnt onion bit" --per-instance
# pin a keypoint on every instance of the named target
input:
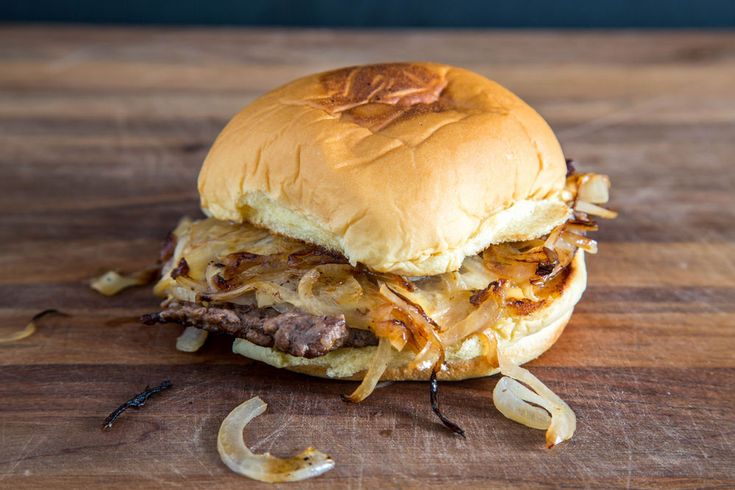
(434, 398)
(136, 402)
(47, 312)
(238, 267)
(167, 248)
(417, 308)
(377, 277)
(181, 270)
(545, 268)
(313, 256)
(31, 327)
(481, 295)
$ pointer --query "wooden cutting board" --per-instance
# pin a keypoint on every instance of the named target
(102, 134)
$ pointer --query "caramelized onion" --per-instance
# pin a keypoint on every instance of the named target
(245, 265)
(474, 274)
(581, 226)
(593, 188)
(506, 261)
(393, 330)
(191, 339)
(586, 244)
(485, 315)
(422, 329)
(29, 330)
(378, 365)
(232, 294)
(111, 282)
(264, 467)
(594, 210)
(512, 400)
(326, 289)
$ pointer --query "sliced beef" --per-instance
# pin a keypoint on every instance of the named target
(296, 333)
(304, 335)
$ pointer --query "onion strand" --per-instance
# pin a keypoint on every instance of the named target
(112, 282)
(30, 328)
(191, 339)
(264, 467)
(594, 209)
(378, 365)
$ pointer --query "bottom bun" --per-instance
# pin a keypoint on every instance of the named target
(524, 338)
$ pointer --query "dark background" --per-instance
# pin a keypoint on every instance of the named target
(383, 13)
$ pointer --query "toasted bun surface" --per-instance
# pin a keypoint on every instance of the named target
(525, 338)
(405, 167)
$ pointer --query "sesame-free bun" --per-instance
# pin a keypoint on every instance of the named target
(404, 167)
(524, 339)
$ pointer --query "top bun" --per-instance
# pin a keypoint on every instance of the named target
(403, 167)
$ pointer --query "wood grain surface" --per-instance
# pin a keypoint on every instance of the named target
(102, 133)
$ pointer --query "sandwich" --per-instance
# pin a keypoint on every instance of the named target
(404, 221)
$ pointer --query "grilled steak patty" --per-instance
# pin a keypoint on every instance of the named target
(296, 333)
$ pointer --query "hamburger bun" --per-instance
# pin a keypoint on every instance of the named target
(405, 168)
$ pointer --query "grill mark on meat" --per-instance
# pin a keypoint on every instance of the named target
(296, 333)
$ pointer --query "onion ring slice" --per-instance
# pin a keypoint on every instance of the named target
(264, 467)
(512, 399)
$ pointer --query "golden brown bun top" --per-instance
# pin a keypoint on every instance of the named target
(404, 167)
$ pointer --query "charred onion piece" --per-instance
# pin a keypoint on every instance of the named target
(421, 326)
(168, 248)
(314, 256)
(387, 277)
(480, 296)
(545, 268)
(417, 307)
(434, 398)
(237, 264)
(136, 402)
(31, 327)
(181, 270)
